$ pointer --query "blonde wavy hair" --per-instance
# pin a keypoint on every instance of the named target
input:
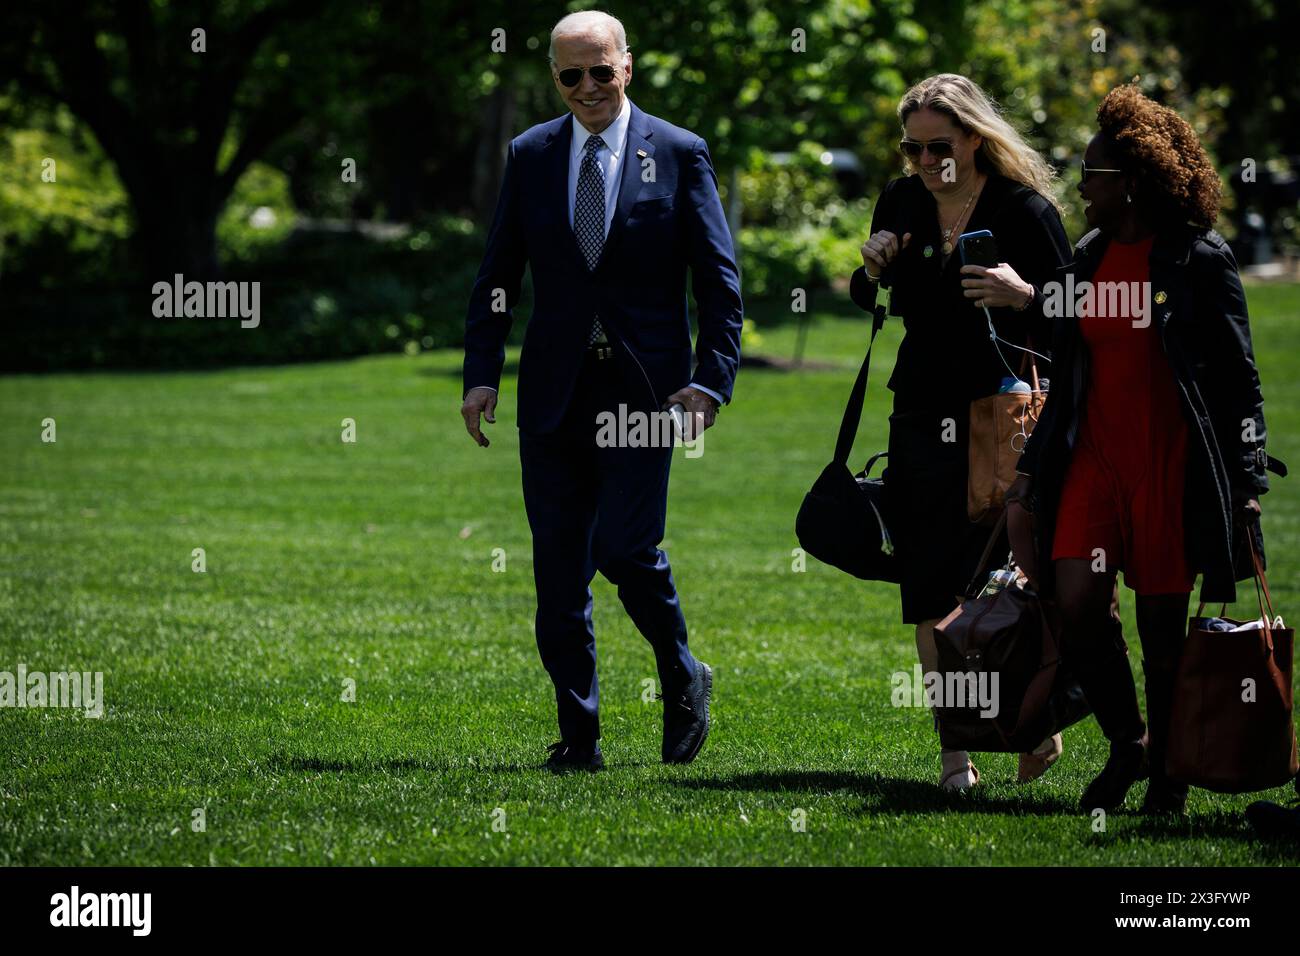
(1003, 151)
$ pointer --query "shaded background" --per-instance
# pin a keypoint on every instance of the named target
(228, 163)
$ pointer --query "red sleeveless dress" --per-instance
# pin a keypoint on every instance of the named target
(1123, 491)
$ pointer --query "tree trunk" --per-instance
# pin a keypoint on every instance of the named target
(490, 162)
(176, 227)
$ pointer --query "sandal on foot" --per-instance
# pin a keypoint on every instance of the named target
(953, 779)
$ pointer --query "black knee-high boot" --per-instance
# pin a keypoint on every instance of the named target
(1163, 795)
(1107, 682)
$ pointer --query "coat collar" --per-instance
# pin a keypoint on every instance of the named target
(1175, 245)
(559, 140)
(1172, 246)
(925, 227)
(614, 135)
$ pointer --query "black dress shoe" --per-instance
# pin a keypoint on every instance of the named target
(1126, 766)
(1273, 822)
(566, 759)
(686, 717)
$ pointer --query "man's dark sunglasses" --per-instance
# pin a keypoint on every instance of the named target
(573, 75)
(939, 148)
(1085, 171)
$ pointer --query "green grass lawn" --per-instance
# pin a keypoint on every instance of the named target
(373, 562)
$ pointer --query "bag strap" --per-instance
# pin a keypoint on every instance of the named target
(1267, 613)
(853, 411)
(1001, 523)
(1261, 581)
(872, 461)
(1028, 361)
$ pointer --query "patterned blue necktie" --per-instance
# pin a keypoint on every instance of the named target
(589, 215)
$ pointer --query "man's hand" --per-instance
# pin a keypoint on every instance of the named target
(701, 410)
(1248, 511)
(479, 401)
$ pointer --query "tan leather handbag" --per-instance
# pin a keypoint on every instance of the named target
(999, 427)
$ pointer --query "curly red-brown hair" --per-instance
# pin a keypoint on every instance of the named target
(1165, 153)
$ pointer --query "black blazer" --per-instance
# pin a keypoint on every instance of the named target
(946, 359)
(1200, 311)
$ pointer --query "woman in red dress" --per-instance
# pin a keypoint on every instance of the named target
(1149, 457)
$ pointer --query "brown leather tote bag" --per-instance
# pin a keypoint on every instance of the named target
(1231, 729)
(999, 427)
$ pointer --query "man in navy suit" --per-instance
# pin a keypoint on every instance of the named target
(610, 207)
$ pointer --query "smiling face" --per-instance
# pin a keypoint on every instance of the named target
(594, 104)
(1103, 194)
(927, 125)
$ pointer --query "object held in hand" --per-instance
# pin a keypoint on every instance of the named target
(978, 248)
(678, 411)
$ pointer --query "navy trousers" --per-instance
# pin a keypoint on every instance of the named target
(598, 509)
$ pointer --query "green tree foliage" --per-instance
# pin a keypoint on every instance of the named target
(174, 160)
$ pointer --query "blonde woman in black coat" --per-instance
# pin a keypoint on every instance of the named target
(967, 169)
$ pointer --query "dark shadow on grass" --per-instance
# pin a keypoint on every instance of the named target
(610, 767)
(283, 763)
(1223, 825)
(892, 793)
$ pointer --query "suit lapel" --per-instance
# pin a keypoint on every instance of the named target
(557, 181)
(638, 142)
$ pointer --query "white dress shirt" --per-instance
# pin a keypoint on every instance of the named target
(615, 138)
(611, 159)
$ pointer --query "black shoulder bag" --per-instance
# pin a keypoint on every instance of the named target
(844, 518)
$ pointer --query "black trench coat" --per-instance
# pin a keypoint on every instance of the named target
(944, 363)
(1200, 312)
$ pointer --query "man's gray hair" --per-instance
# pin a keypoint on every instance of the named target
(586, 22)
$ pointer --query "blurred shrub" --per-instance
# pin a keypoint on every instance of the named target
(68, 230)
(798, 231)
(775, 260)
(792, 189)
(258, 217)
(324, 294)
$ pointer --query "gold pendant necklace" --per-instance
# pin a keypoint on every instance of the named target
(947, 236)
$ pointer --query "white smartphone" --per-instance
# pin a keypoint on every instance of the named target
(678, 411)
